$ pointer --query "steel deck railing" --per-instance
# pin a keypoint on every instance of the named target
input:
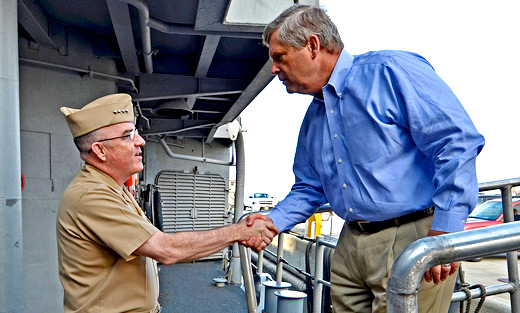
(411, 264)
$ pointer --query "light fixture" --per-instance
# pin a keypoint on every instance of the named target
(173, 108)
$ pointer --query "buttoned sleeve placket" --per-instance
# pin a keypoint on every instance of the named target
(335, 112)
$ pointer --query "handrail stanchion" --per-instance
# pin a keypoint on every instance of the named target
(260, 262)
(245, 264)
(279, 264)
(512, 256)
(318, 275)
(247, 274)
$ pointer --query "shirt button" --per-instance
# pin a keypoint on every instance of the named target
(351, 210)
(463, 221)
(340, 160)
(344, 186)
(339, 94)
(335, 136)
(331, 111)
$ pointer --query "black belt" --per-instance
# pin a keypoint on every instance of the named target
(374, 227)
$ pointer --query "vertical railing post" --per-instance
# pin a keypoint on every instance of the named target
(245, 263)
(512, 256)
(318, 275)
(260, 262)
(279, 264)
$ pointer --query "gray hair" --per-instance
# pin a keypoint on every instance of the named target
(84, 142)
(298, 23)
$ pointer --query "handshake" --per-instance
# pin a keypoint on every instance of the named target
(257, 231)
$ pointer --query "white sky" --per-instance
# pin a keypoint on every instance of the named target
(473, 46)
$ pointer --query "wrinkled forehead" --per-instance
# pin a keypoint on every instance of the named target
(118, 129)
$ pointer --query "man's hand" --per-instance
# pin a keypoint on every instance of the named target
(259, 243)
(439, 273)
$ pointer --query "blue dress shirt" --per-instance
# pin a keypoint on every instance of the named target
(389, 138)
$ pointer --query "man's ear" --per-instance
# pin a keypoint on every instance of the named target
(99, 150)
(314, 45)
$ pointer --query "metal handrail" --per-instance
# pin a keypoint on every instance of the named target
(422, 254)
(410, 265)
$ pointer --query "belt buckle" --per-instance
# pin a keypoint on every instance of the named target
(360, 225)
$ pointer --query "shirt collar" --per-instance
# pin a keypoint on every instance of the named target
(341, 69)
(102, 177)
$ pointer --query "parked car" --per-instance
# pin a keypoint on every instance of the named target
(260, 201)
(485, 197)
(490, 213)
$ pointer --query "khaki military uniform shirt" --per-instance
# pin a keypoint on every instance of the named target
(99, 226)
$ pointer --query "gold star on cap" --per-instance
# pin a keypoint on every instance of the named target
(107, 110)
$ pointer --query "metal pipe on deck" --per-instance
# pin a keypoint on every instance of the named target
(11, 251)
(410, 265)
(245, 261)
(318, 275)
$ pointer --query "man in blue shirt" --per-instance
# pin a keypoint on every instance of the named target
(385, 142)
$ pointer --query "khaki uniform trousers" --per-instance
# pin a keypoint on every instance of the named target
(158, 309)
(361, 266)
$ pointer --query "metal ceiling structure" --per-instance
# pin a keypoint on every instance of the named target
(163, 50)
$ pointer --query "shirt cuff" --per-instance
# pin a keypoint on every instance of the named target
(449, 221)
(278, 219)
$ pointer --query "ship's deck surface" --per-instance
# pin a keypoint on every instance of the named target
(189, 288)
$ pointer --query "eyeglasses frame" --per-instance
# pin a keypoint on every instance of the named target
(131, 136)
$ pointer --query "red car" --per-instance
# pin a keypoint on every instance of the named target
(490, 213)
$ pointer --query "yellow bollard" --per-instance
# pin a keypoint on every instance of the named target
(318, 220)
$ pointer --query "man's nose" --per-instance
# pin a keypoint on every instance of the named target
(274, 69)
(139, 141)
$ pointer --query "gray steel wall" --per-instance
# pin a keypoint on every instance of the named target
(11, 241)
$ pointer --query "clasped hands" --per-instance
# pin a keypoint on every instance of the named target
(260, 230)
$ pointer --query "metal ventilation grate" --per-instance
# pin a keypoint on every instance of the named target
(192, 202)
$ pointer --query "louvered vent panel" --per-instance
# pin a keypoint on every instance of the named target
(192, 202)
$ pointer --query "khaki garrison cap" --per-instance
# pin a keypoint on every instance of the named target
(107, 110)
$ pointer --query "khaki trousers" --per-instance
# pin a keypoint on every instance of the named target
(361, 266)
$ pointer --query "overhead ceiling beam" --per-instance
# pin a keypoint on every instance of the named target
(120, 16)
(206, 56)
(34, 21)
(261, 80)
(163, 86)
